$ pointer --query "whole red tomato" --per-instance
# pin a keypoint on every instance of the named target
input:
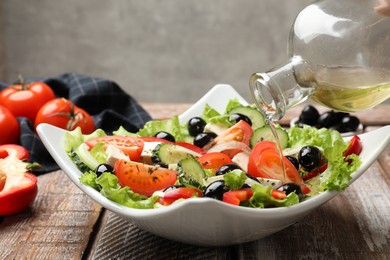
(25, 99)
(9, 126)
(63, 113)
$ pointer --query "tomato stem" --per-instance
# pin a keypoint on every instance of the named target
(73, 117)
(21, 82)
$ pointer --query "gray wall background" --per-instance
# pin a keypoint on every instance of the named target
(157, 51)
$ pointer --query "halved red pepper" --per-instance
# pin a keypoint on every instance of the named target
(179, 193)
(18, 187)
(355, 146)
(235, 197)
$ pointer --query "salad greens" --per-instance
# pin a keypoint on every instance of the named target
(335, 177)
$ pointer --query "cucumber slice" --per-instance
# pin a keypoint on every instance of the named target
(191, 173)
(86, 157)
(168, 153)
(254, 115)
(264, 133)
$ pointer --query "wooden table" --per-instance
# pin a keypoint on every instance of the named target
(63, 223)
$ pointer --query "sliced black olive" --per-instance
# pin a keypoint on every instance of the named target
(309, 157)
(327, 119)
(292, 187)
(165, 135)
(215, 190)
(227, 168)
(309, 115)
(196, 125)
(204, 138)
(294, 161)
(237, 117)
(104, 167)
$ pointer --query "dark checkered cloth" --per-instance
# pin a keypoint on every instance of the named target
(108, 104)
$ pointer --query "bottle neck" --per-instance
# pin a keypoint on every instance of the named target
(282, 88)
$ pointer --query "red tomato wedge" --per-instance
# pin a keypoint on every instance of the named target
(130, 145)
(214, 161)
(191, 147)
(143, 178)
(153, 139)
(179, 193)
(240, 132)
(264, 161)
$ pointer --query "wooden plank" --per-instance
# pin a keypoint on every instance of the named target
(57, 226)
(122, 240)
(353, 225)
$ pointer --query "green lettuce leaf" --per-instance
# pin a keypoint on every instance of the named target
(73, 139)
(235, 179)
(262, 198)
(172, 126)
(338, 173)
(108, 185)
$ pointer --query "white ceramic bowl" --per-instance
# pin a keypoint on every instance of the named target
(204, 221)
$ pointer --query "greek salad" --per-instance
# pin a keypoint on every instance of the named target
(230, 156)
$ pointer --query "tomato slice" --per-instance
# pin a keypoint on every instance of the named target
(214, 161)
(179, 193)
(235, 197)
(191, 147)
(153, 139)
(143, 178)
(264, 161)
(130, 145)
(240, 132)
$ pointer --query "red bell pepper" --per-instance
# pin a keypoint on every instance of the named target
(18, 187)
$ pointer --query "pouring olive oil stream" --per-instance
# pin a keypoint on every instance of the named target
(338, 57)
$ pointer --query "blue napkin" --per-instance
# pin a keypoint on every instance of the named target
(104, 100)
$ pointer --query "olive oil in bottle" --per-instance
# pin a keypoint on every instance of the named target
(351, 89)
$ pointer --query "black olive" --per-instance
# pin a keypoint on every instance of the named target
(227, 168)
(196, 125)
(309, 157)
(349, 124)
(294, 161)
(292, 187)
(338, 128)
(309, 115)
(165, 135)
(236, 117)
(215, 190)
(204, 138)
(104, 167)
(327, 119)
(340, 115)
